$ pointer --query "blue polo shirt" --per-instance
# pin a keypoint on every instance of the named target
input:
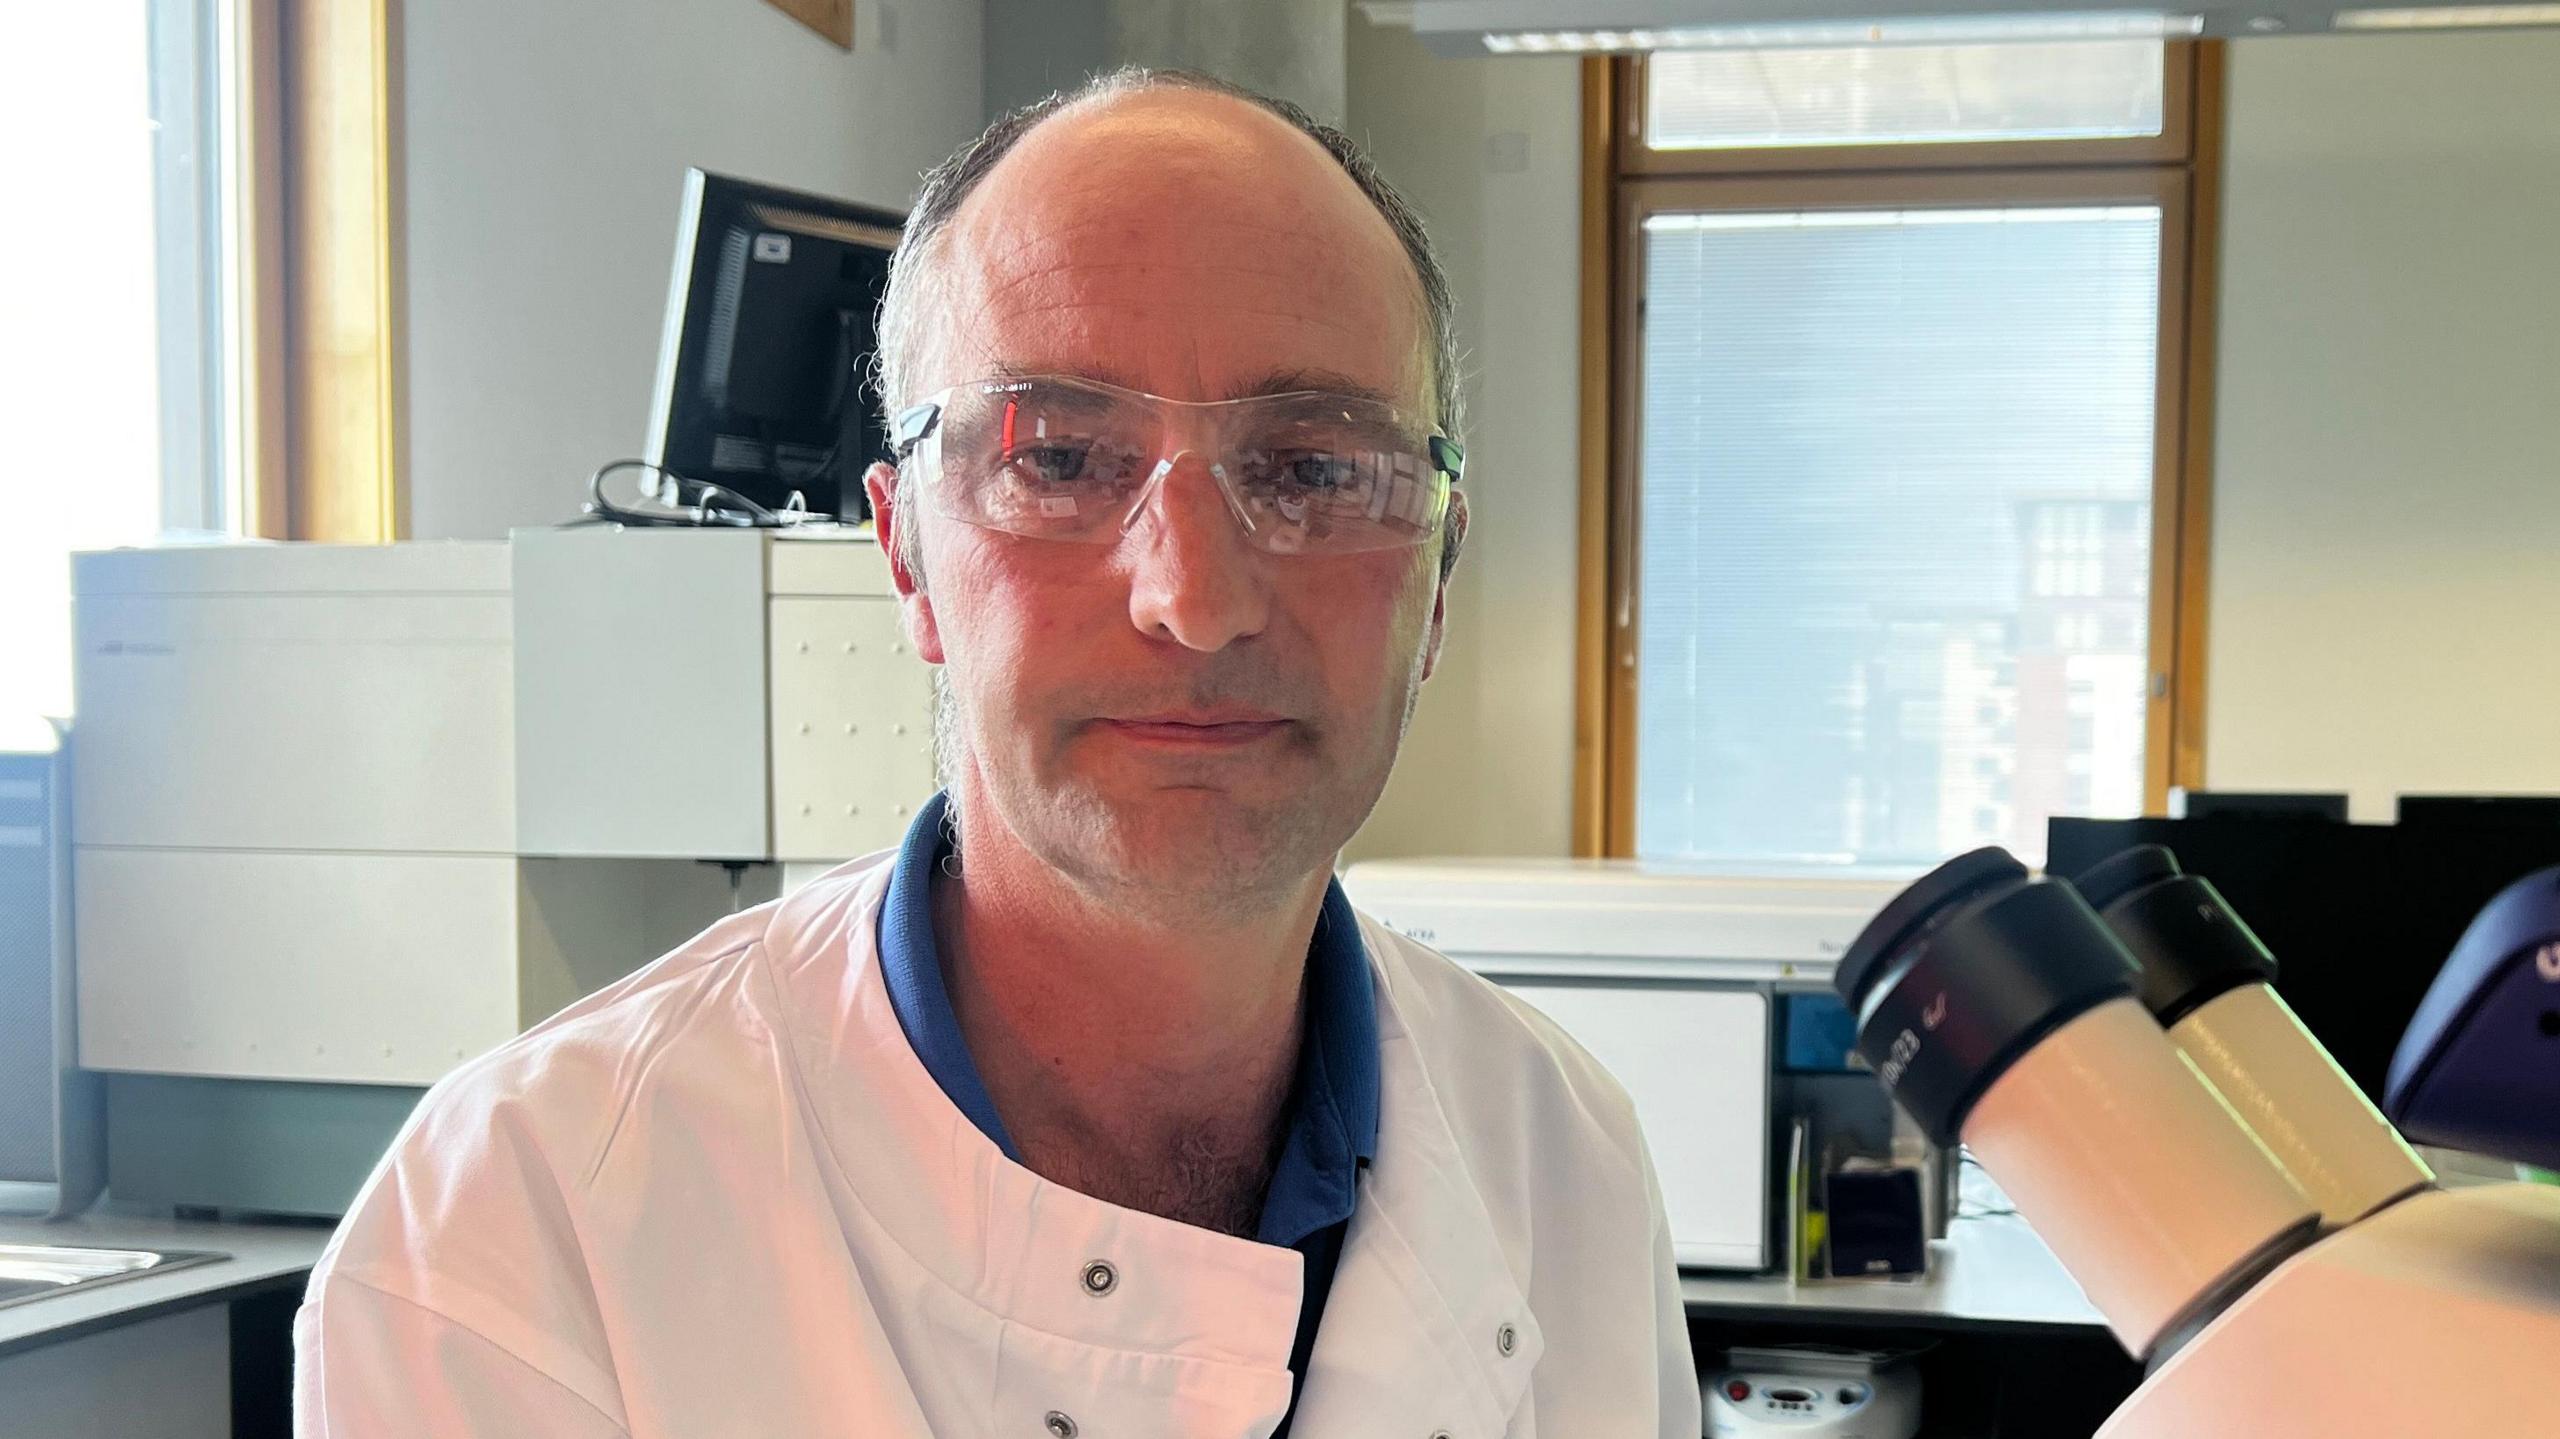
(1331, 1125)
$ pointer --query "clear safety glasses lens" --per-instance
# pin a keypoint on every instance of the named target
(1072, 460)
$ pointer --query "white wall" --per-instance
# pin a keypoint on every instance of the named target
(1490, 152)
(544, 148)
(2385, 610)
(1289, 48)
(1036, 46)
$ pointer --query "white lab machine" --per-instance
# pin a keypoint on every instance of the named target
(1668, 976)
(1812, 1392)
(296, 828)
(350, 815)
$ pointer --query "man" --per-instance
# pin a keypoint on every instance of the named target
(1095, 1109)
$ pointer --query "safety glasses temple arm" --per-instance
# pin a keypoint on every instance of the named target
(1446, 456)
(912, 425)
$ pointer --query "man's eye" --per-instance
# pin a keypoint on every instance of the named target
(1050, 465)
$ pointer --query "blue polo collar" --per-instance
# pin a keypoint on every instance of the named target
(1332, 1125)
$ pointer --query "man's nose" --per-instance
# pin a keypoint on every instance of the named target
(1193, 577)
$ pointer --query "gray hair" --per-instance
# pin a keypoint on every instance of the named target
(950, 183)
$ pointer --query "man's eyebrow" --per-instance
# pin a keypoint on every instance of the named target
(1283, 382)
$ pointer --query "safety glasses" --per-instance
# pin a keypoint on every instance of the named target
(1058, 458)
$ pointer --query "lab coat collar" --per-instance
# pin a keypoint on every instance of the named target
(911, 969)
(1333, 1121)
(1332, 1116)
(1427, 1314)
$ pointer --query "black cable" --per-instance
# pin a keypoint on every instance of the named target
(703, 503)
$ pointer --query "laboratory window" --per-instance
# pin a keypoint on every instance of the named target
(120, 381)
(1897, 343)
(188, 164)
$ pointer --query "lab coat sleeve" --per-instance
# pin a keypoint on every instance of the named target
(1680, 1404)
(457, 1298)
(377, 1366)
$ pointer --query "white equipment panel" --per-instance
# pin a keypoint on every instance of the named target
(852, 727)
(354, 968)
(1666, 975)
(722, 694)
(295, 697)
(1631, 919)
(851, 705)
(360, 968)
(639, 692)
(1697, 1062)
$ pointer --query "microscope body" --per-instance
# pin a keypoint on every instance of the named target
(2439, 1315)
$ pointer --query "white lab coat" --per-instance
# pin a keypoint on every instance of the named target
(723, 1197)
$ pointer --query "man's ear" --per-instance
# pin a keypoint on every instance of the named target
(1453, 537)
(1453, 534)
(888, 527)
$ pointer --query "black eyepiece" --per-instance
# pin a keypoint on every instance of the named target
(2190, 944)
(1966, 971)
(2123, 872)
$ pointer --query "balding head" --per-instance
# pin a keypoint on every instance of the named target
(1212, 115)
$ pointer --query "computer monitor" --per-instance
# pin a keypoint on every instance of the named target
(764, 369)
(2479, 811)
(2260, 804)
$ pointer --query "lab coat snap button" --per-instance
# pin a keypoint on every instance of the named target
(1059, 1425)
(1100, 1278)
(1506, 1339)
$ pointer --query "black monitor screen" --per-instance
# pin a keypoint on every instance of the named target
(764, 370)
(2360, 916)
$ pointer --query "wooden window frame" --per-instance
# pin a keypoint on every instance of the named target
(2171, 146)
(1623, 183)
(319, 412)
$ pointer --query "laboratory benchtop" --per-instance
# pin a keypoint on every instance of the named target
(1991, 1272)
(264, 1257)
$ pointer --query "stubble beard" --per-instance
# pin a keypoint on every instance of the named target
(1231, 864)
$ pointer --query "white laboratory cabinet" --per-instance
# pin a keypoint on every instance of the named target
(1668, 976)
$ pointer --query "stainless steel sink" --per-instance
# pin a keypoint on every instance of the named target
(39, 1271)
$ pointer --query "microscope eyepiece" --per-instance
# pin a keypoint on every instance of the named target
(2191, 946)
(1923, 904)
(1999, 1011)
(1966, 971)
(2208, 982)
(2125, 871)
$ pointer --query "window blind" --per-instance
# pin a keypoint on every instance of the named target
(1895, 475)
